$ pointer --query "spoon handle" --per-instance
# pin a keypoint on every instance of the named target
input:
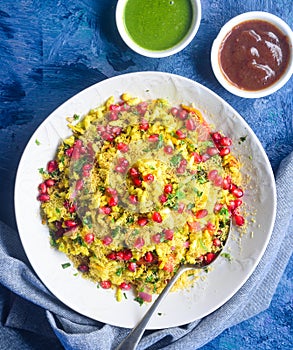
(133, 338)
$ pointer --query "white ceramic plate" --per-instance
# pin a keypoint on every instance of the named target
(181, 307)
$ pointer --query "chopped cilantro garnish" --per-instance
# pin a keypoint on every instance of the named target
(125, 296)
(226, 256)
(42, 171)
(161, 141)
(37, 142)
(175, 160)
(139, 300)
(242, 139)
(119, 271)
(65, 265)
(76, 117)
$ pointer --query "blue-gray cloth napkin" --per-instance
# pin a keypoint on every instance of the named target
(35, 309)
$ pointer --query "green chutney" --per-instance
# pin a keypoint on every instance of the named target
(157, 24)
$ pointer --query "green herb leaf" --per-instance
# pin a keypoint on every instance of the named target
(242, 139)
(139, 300)
(175, 160)
(65, 265)
(37, 142)
(226, 256)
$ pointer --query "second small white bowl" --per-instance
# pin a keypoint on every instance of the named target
(226, 29)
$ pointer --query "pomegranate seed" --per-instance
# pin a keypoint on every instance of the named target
(125, 286)
(212, 174)
(85, 173)
(132, 266)
(157, 217)
(216, 137)
(169, 234)
(168, 188)
(142, 108)
(78, 143)
(120, 169)
(181, 208)
(89, 238)
(217, 207)
(216, 242)
(225, 141)
(212, 151)
(107, 240)
(237, 192)
(174, 111)
(180, 170)
(205, 157)
(106, 284)
(122, 147)
(144, 126)
(139, 243)
(106, 210)
(127, 254)
(156, 238)
(201, 213)
(133, 199)
(70, 223)
(224, 151)
(148, 257)
(123, 162)
(137, 181)
(52, 166)
(107, 136)
(133, 172)
(113, 201)
(75, 154)
(42, 188)
(153, 138)
(111, 191)
(210, 226)
(238, 202)
(180, 134)
(197, 157)
(50, 182)
(148, 178)
(112, 256)
(120, 255)
(83, 268)
(218, 181)
(79, 185)
(163, 198)
(116, 130)
(209, 257)
(142, 221)
(87, 167)
(190, 124)
(168, 149)
(43, 197)
(115, 107)
(226, 183)
(239, 220)
(183, 114)
(113, 115)
(69, 151)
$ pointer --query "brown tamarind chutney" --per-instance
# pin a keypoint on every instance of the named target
(254, 55)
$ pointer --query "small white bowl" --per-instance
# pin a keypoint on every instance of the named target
(196, 6)
(226, 29)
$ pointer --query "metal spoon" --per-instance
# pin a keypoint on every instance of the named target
(133, 338)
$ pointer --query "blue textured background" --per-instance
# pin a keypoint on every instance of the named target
(50, 50)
